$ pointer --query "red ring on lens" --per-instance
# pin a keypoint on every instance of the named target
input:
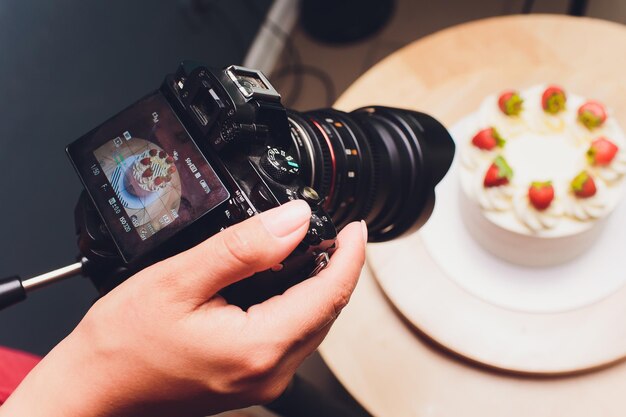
(333, 164)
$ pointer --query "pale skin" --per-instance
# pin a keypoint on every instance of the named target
(164, 343)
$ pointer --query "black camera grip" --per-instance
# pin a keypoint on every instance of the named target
(11, 291)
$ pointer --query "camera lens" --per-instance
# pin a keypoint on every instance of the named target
(376, 163)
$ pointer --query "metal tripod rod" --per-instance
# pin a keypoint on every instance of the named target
(13, 289)
(51, 277)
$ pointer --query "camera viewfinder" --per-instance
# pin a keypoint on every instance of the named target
(206, 105)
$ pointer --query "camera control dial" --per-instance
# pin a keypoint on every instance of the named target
(279, 165)
(320, 229)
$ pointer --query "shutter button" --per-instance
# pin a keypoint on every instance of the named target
(309, 195)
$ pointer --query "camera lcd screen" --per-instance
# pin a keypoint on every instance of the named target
(146, 176)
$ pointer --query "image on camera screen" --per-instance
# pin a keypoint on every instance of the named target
(146, 175)
(145, 180)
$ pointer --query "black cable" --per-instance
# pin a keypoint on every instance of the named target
(293, 55)
(295, 68)
(321, 75)
(528, 6)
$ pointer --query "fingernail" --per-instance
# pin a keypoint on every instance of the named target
(364, 230)
(286, 219)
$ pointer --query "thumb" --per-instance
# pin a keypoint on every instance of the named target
(237, 252)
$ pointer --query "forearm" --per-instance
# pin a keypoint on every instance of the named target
(62, 385)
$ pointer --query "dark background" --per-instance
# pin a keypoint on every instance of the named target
(65, 67)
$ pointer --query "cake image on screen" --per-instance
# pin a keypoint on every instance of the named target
(145, 180)
(150, 171)
(541, 171)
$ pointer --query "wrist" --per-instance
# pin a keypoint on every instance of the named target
(64, 383)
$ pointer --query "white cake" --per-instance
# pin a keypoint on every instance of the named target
(151, 171)
(561, 217)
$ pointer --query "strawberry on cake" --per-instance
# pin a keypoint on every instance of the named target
(151, 171)
(541, 171)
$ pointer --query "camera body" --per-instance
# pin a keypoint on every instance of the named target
(207, 150)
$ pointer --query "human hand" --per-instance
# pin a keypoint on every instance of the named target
(165, 343)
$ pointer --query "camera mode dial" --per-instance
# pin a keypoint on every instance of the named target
(279, 165)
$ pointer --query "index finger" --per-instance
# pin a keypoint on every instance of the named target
(307, 307)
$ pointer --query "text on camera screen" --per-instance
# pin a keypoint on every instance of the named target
(146, 175)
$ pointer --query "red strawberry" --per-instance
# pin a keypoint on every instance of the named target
(169, 160)
(499, 173)
(162, 154)
(583, 185)
(158, 181)
(171, 169)
(553, 99)
(541, 194)
(592, 114)
(510, 103)
(153, 152)
(487, 139)
(601, 152)
(147, 173)
(145, 161)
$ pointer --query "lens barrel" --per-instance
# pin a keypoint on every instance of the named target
(376, 163)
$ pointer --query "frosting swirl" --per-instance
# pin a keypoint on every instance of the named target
(614, 171)
(472, 157)
(587, 209)
(494, 198)
(533, 219)
(508, 126)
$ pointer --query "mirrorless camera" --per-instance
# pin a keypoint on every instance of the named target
(206, 151)
(212, 148)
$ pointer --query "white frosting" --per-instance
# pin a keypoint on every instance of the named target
(613, 171)
(536, 220)
(490, 114)
(610, 128)
(539, 147)
(493, 198)
(588, 209)
(541, 121)
(474, 157)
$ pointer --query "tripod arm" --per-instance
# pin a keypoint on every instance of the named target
(13, 289)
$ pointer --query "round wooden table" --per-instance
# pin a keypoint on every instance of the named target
(385, 364)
